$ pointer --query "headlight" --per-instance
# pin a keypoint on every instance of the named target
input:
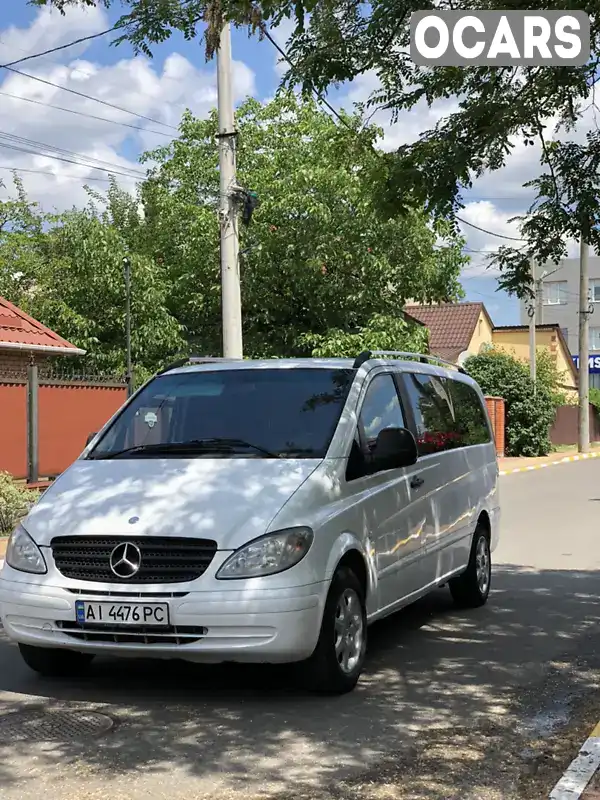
(22, 553)
(268, 555)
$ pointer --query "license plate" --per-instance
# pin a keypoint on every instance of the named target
(154, 615)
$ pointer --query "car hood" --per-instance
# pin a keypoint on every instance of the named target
(229, 500)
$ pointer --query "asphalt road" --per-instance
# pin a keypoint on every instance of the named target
(478, 705)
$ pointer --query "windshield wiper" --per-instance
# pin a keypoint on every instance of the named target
(209, 445)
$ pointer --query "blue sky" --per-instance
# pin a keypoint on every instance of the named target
(178, 77)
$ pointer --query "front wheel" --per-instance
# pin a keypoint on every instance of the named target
(53, 662)
(472, 588)
(338, 659)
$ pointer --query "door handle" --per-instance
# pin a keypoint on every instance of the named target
(416, 482)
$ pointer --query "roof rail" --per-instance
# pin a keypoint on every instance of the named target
(402, 354)
(195, 360)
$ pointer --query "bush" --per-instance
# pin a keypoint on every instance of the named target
(595, 398)
(529, 415)
(15, 502)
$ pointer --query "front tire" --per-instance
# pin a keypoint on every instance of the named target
(472, 588)
(54, 662)
(339, 657)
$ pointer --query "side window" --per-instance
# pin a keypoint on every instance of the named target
(380, 409)
(471, 419)
(434, 411)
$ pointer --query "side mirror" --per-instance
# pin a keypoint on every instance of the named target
(395, 448)
(89, 438)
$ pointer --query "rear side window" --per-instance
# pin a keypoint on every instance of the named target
(433, 409)
(471, 419)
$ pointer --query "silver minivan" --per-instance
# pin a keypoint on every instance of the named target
(259, 511)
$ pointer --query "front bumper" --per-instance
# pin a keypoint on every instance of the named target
(271, 626)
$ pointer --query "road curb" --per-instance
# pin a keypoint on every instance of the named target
(546, 464)
(581, 770)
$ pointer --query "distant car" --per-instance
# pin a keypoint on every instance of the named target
(259, 511)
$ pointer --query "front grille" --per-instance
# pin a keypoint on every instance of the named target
(133, 634)
(163, 559)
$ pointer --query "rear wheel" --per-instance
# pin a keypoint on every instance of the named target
(338, 659)
(55, 662)
(472, 588)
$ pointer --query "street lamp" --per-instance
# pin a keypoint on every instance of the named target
(127, 277)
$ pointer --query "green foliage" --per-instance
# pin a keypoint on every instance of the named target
(15, 501)
(380, 333)
(487, 107)
(595, 398)
(529, 415)
(319, 256)
(566, 207)
(320, 259)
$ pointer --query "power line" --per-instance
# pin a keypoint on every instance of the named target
(67, 160)
(89, 97)
(83, 114)
(489, 233)
(53, 174)
(60, 47)
(317, 94)
(21, 140)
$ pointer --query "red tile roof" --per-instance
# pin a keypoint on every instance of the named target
(18, 328)
(451, 326)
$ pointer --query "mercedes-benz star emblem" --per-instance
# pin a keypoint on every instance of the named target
(125, 560)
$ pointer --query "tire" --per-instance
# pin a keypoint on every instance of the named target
(472, 588)
(335, 666)
(54, 662)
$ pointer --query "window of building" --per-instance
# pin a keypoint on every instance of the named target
(594, 338)
(555, 293)
(595, 290)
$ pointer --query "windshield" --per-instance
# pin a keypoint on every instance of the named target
(258, 413)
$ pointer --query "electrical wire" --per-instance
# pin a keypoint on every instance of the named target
(59, 47)
(21, 140)
(90, 97)
(61, 176)
(67, 160)
(83, 114)
(489, 233)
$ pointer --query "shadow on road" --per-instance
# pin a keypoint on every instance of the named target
(443, 690)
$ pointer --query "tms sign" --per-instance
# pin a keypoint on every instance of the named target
(500, 38)
(593, 364)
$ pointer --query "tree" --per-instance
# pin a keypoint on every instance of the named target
(319, 258)
(566, 206)
(529, 414)
(342, 39)
(66, 271)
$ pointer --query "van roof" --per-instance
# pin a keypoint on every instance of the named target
(314, 363)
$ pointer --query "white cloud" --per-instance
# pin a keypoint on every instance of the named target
(136, 84)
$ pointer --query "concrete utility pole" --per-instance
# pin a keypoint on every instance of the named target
(584, 350)
(231, 302)
(531, 311)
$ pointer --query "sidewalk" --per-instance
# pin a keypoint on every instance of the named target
(511, 465)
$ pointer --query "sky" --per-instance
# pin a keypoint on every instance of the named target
(160, 89)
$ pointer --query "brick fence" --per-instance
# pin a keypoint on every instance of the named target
(66, 411)
(496, 410)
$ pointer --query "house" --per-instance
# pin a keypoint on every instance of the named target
(458, 330)
(23, 340)
(454, 328)
(515, 339)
